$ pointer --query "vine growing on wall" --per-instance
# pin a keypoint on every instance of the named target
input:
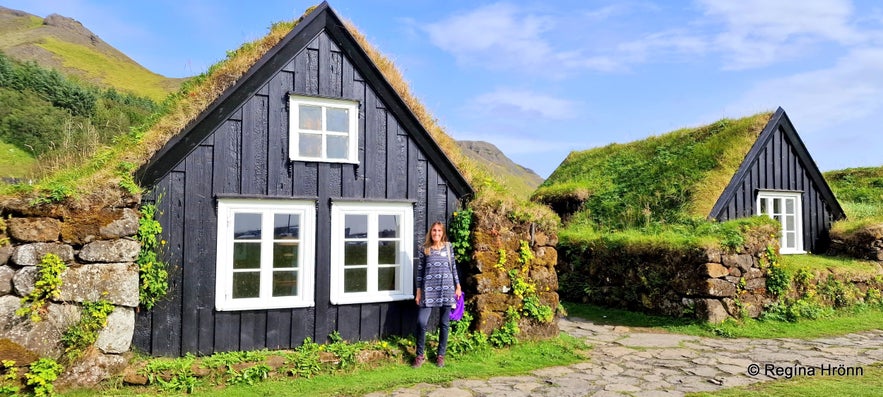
(461, 235)
(151, 270)
(46, 286)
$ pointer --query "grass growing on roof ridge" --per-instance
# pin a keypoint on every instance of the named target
(662, 179)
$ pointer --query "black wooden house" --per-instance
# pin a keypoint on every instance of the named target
(294, 204)
(779, 178)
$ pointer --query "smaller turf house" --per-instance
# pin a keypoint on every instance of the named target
(727, 170)
(686, 222)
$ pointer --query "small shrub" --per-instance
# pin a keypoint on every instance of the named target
(41, 375)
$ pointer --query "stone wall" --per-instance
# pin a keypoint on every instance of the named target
(99, 251)
(488, 286)
(865, 243)
(704, 283)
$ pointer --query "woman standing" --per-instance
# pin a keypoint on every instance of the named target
(438, 285)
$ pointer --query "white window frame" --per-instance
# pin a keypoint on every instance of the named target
(294, 101)
(227, 208)
(405, 289)
(781, 217)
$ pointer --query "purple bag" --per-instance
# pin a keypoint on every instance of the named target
(457, 312)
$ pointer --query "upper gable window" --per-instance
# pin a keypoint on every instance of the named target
(323, 129)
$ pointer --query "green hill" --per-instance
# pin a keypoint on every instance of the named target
(64, 44)
(860, 193)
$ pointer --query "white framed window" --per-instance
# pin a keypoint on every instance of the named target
(372, 251)
(785, 207)
(323, 129)
(266, 255)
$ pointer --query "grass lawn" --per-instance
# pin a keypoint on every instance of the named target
(14, 162)
(868, 384)
(860, 318)
(819, 263)
(518, 359)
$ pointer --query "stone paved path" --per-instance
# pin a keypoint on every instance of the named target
(628, 362)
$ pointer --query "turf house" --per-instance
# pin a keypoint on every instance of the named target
(682, 223)
(284, 192)
(297, 198)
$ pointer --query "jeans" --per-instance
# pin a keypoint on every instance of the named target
(444, 327)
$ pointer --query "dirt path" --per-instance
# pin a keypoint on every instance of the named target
(628, 362)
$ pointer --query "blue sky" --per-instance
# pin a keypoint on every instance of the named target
(539, 80)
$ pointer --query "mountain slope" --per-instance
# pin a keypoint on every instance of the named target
(521, 180)
(66, 45)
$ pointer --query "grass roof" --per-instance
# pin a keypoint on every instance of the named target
(662, 179)
(108, 176)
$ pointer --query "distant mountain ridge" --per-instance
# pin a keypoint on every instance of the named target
(522, 180)
(64, 44)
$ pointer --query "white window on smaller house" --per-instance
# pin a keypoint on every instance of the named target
(371, 252)
(785, 207)
(323, 129)
(265, 254)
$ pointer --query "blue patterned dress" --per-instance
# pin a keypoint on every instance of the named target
(435, 278)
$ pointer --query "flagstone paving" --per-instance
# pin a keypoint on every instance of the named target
(642, 363)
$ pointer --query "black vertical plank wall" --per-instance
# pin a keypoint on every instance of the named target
(247, 156)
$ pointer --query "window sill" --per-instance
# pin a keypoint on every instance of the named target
(261, 305)
(350, 300)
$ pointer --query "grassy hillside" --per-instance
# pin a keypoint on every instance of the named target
(663, 179)
(14, 162)
(66, 45)
(860, 193)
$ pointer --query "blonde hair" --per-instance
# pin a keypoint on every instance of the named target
(428, 241)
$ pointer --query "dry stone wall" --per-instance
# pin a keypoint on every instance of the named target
(98, 249)
(489, 284)
(705, 283)
(866, 243)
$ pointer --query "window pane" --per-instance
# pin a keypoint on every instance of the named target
(777, 206)
(355, 280)
(286, 226)
(310, 145)
(246, 285)
(247, 226)
(789, 206)
(790, 240)
(285, 283)
(355, 253)
(355, 226)
(387, 253)
(386, 278)
(763, 206)
(388, 226)
(337, 147)
(285, 255)
(338, 119)
(310, 117)
(789, 223)
(246, 255)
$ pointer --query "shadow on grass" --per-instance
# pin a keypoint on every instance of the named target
(610, 316)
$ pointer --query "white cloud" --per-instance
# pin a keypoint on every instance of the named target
(526, 104)
(504, 37)
(851, 89)
(760, 32)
